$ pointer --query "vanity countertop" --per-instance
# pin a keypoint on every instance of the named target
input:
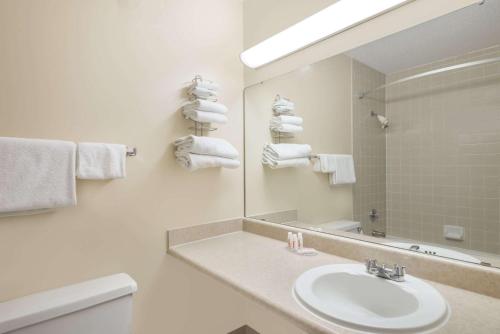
(264, 270)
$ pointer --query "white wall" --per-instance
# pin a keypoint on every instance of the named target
(112, 71)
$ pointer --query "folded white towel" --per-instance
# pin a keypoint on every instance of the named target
(283, 106)
(193, 161)
(98, 161)
(283, 102)
(36, 174)
(202, 92)
(204, 105)
(205, 116)
(325, 163)
(287, 151)
(207, 84)
(285, 119)
(344, 170)
(206, 146)
(275, 164)
(286, 128)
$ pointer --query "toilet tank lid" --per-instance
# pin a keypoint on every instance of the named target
(32, 309)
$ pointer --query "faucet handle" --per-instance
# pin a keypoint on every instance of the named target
(371, 264)
(399, 271)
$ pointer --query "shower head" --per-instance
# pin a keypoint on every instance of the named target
(382, 119)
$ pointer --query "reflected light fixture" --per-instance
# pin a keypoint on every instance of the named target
(332, 20)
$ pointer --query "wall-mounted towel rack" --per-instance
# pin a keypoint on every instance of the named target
(131, 151)
(200, 128)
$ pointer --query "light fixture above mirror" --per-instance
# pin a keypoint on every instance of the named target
(342, 15)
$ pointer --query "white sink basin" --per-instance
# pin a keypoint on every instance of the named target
(347, 295)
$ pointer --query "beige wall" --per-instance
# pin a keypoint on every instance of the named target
(443, 154)
(112, 71)
(259, 25)
(322, 96)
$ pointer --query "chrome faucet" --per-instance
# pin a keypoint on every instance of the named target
(397, 273)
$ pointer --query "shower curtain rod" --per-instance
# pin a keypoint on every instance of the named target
(433, 72)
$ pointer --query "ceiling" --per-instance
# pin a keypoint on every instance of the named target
(472, 28)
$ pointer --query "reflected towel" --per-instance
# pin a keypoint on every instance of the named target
(286, 128)
(206, 84)
(193, 161)
(344, 170)
(98, 161)
(275, 164)
(287, 151)
(286, 119)
(206, 146)
(202, 92)
(36, 174)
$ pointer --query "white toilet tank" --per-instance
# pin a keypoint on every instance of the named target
(99, 306)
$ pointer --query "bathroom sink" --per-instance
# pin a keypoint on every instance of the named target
(347, 295)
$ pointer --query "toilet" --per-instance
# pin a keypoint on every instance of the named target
(340, 225)
(99, 306)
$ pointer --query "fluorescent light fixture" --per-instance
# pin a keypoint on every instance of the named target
(336, 18)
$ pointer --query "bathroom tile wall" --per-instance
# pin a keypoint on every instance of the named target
(443, 154)
(369, 150)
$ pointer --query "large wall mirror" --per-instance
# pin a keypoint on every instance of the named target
(418, 112)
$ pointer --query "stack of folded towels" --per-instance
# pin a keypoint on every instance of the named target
(286, 155)
(205, 111)
(283, 106)
(286, 123)
(193, 152)
(203, 89)
(340, 168)
(284, 119)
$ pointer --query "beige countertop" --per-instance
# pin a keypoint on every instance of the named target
(265, 271)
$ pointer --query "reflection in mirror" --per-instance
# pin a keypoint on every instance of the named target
(395, 142)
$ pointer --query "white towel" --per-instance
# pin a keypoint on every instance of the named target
(285, 119)
(202, 92)
(206, 146)
(325, 163)
(204, 105)
(287, 151)
(275, 164)
(283, 106)
(207, 84)
(205, 116)
(36, 174)
(286, 128)
(344, 170)
(193, 161)
(97, 161)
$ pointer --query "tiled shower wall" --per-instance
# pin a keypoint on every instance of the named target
(369, 148)
(443, 154)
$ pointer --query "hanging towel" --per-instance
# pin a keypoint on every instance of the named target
(202, 92)
(325, 163)
(206, 84)
(206, 146)
(286, 128)
(204, 105)
(36, 174)
(287, 151)
(275, 164)
(205, 116)
(285, 119)
(193, 161)
(97, 161)
(344, 170)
